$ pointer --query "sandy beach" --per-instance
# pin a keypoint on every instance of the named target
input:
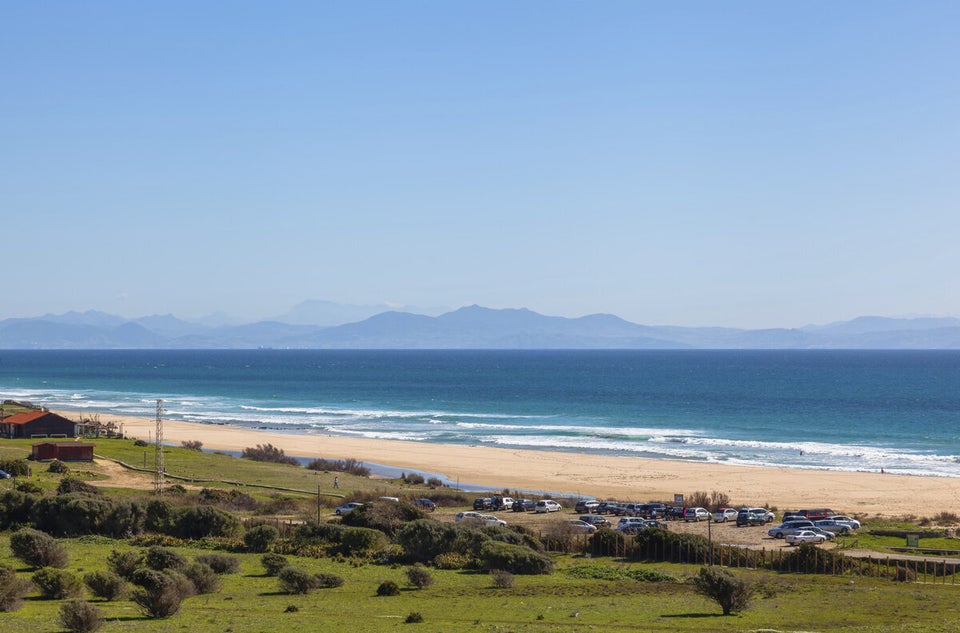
(601, 476)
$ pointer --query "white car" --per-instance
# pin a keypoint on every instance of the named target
(347, 508)
(725, 514)
(548, 505)
(768, 516)
(486, 519)
(853, 523)
(804, 536)
(837, 527)
(576, 525)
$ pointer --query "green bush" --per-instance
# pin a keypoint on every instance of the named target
(502, 579)
(29, 487)
(387, 516)
(160, 558)
(419, 577)
(106, 585)
(58, 467)
(414, 618)
(160, 593)
(516, 559)
(297, 581)
(12, 589)
(260, 538)
(124, 564)
(731, 593)
(16, 507)
(57, 584)
(425, 539)
(75, 514)
(328, 581)
(16, 467)
(357, 541)
(72, 485)
(220, 563)
(79, 616)
(317, 534)
(204, 579)
(268, 453)
(37, 549)
(388, 588)
(273, 563)
(206, 521)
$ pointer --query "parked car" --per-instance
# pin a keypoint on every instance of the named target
(548, 505)
(837, 527)
(523, 505)
(582, 527)
(502, 503)
(853, 523)
(749, 517)
(767, 515)
(653, 510)
(487, 519)
(816, 514)
(586, 505)
(595, 519)
(789, 527)
(483, 503)
(4, 474)
(829, 535)
(425, 504)
(675, 512)
(625, 523)
(696, 514)
(632, 509)
(347, 508)
(725, 514)
(609, 507)
(804, 536)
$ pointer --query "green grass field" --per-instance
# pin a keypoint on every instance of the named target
(466, 600)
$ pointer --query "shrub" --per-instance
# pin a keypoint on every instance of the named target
(358, 541)
(58, 467)
(159, 558)
(79, 616)
(29, 487)
(70, 485)
(273, 563)
(328, 581)
(419, 577)
(220, 563)
(451, 560)
(731, 593)
(516, 559)
(206, 521)
(388, 588)
(192, 445)
(160, 593)
(12, 589)
(502, 579)
(425, 539)
(72, 514)
(16, 507)
(57, 584)
(317, 533)
(414, 618)
(268, 453)
(351, 466)
(124, 564)
(106, 585)
(37, 549)
(296, 581)
(204, 579)
(434, 482)
(414, 479)
(15, 467)
(140, 443)
(260, 538)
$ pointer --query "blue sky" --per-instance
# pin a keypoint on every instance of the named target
(751, 164)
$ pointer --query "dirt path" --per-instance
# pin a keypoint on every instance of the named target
(120, 477)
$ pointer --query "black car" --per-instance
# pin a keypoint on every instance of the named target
(608, 507)
(523, 505)
(483, 503)
(746, 517)
(425, 504)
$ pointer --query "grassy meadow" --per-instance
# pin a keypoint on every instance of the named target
(583, 594)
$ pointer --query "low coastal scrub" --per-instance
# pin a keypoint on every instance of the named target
(268, 453)
(351, 466)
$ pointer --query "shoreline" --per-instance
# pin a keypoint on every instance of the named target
(625, 478)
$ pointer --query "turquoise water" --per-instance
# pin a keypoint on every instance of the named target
(843, 410)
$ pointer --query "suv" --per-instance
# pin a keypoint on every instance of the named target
(608, 507)
(749, 517)
(425, 504)
(586, 505)
(502, 503)
(632, 509)
(653, 510)
(522, 505)
(789, 527)
(483, 503)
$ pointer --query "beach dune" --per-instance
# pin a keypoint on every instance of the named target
(600, 476)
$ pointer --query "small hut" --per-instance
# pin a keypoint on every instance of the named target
(64, 451)
(37, 424)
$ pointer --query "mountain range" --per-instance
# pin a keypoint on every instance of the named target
(472, 327)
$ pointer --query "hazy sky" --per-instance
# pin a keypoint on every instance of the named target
(747, 164)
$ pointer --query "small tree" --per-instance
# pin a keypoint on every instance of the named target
(79, 616)
(260, 538)
(106, 585)
(57, 584)
(160, 593)
(273, 563)
(388, 588)
(124, 564)
(731, 593)
(204, 579)
(419, 577)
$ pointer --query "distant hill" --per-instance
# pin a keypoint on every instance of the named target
(472, 327)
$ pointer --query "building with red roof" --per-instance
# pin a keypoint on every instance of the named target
(37, 424)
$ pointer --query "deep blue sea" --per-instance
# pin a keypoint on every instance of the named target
(842, 410)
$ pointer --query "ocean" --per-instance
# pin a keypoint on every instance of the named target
(837, 410)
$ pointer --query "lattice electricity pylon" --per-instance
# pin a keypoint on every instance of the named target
(158, 467)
